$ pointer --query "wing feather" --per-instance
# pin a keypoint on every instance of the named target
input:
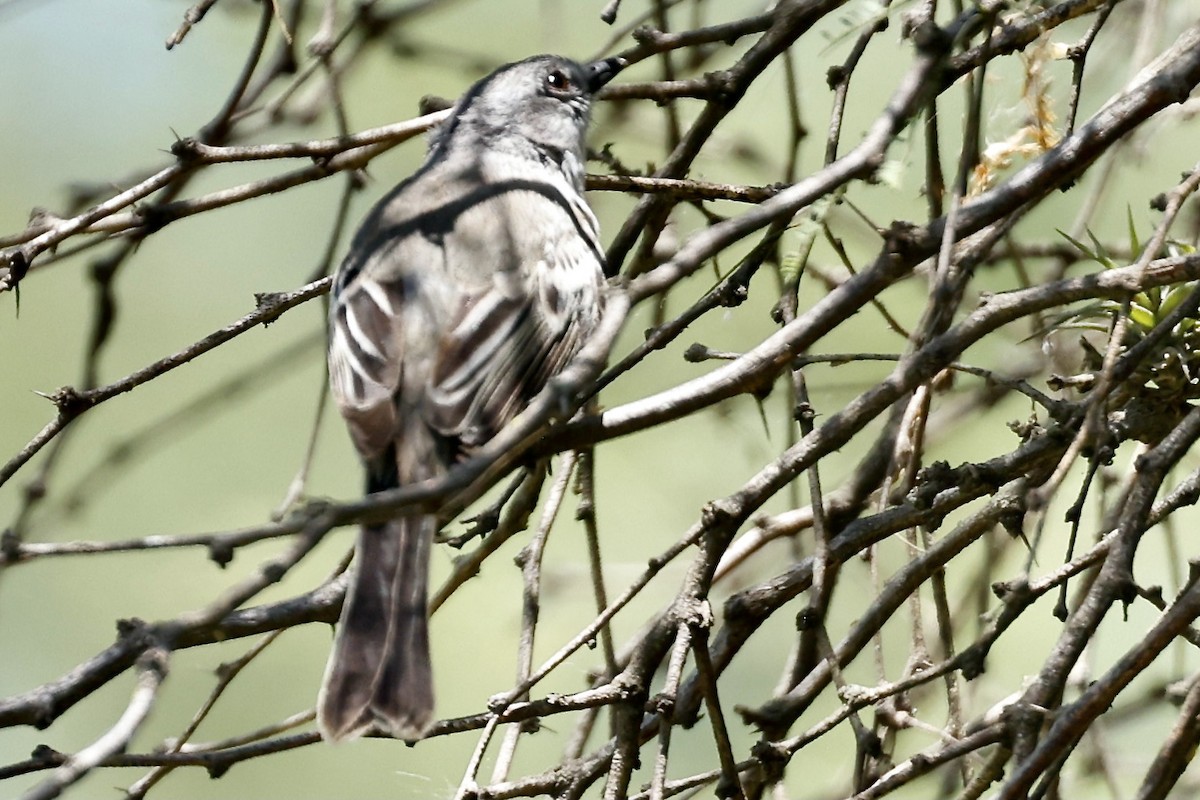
(365, 361)
(499, 353)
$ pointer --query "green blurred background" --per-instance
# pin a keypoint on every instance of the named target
(91, 95)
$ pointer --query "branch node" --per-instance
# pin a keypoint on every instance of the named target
(273, 571)
(646, 36)
(186, 149)
(722, 87)
(47, 755)
(1012, 516)
(131, 628)
(772, 757)
(13, 266)
(265, 301)
(697, 353)
(929, 37)
(1193, 574)
(155, 660)
(808, 618)
(154, 218)
(854, 695)
(220, 552)
(10, 547)
(695, 613)
(902, 240)
(70, 402)
(835, 76)
(973, 662)
(932, 481)
(1014, 591)
(715, 514)
(662, 704)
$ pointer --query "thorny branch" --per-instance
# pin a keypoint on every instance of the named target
(961, 269)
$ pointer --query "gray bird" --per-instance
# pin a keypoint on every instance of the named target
(466, 289)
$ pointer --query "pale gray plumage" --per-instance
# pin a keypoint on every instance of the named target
(465, 290)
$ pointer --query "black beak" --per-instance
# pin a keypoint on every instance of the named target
(601, 72)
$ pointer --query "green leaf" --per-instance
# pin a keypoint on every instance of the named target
(810, 224)
(1080, 246)
(1101, 254)
(1176, 248)
(1134, 246)
(1096, 327)
(1141, 316)
(789, 265)
(1172, 297)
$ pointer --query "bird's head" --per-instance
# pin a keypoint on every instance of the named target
(543, 101)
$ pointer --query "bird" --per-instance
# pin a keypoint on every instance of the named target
(464, 292)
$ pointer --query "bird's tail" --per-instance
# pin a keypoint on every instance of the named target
(379, 674)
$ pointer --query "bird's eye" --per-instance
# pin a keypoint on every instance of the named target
(559, 82)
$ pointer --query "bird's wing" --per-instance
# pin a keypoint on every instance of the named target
(501, 348)
(495, 300)
(365, 362)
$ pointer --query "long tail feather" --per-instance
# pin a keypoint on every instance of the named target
(379, 674)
